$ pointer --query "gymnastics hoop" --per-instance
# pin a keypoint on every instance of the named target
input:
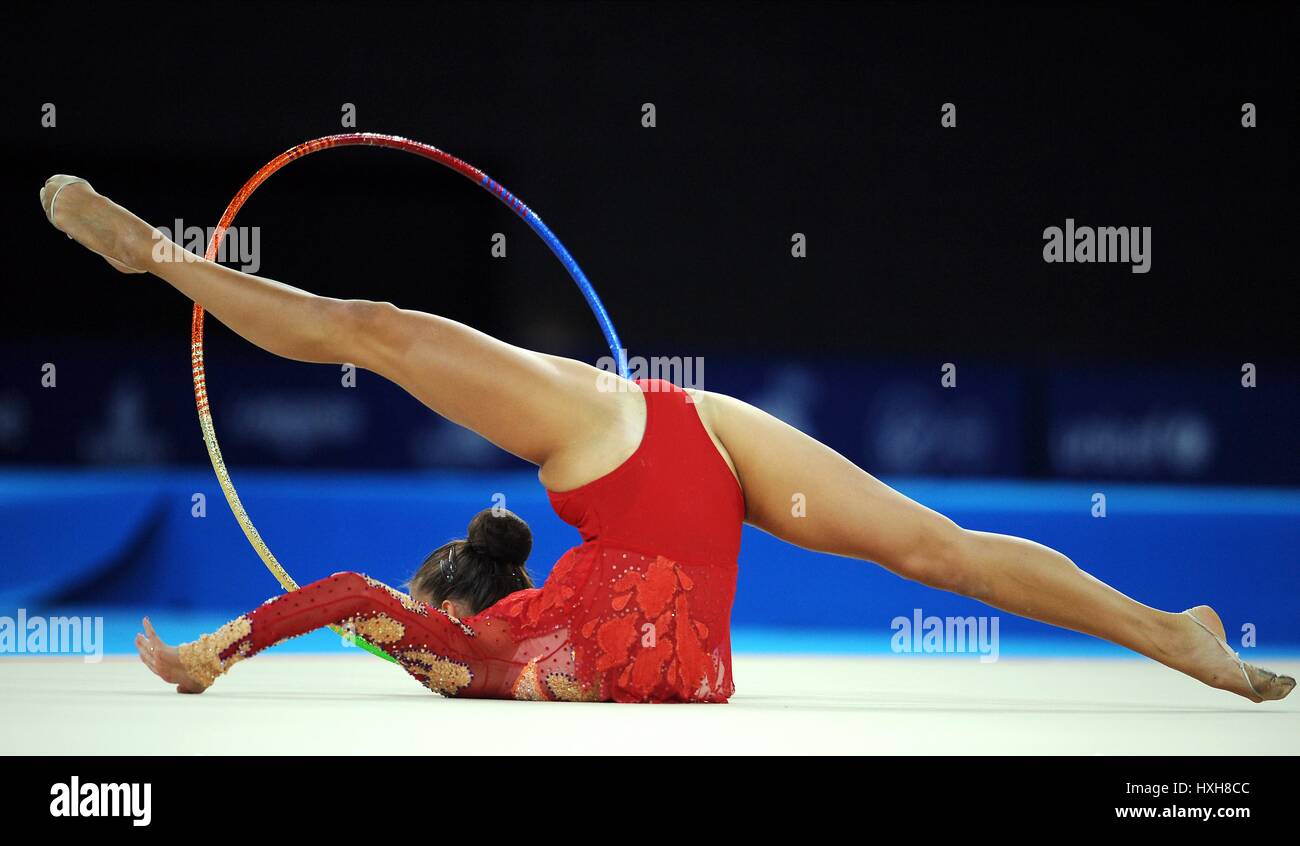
(360, 139)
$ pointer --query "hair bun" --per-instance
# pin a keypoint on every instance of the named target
(500, 535)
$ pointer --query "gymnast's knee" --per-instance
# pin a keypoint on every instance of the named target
(366, 330)
(367, 317)
(943, 557)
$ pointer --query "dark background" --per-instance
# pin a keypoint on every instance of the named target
(772, 119)
(924, 243)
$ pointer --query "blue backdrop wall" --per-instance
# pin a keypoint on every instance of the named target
(136, 538)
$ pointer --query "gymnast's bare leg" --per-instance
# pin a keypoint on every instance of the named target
(548, 411)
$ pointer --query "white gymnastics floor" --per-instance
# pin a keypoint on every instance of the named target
(353, 704)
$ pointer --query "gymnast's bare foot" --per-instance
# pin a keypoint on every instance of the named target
(1205, 655)
(164, 660)
(96, 222)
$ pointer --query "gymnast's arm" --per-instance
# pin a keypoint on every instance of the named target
(435, 649)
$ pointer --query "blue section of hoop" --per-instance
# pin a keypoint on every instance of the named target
(570, 265)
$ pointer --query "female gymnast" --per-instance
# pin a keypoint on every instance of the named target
(658, 481)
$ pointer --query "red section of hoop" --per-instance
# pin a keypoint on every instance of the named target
(353, 139)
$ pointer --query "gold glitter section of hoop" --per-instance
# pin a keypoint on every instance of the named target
(232, 496)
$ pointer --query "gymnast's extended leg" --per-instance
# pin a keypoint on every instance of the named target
(539, 407)
(849, 512)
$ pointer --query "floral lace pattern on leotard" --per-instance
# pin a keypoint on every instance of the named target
(651, 630)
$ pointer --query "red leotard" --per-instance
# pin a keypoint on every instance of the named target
(639, 612)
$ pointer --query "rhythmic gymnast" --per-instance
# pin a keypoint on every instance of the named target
(658, 481)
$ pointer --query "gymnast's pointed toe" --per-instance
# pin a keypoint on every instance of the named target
(1268, 685)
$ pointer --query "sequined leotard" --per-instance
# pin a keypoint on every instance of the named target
(639, 612)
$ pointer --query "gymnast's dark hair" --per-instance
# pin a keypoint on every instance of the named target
(481, 568)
